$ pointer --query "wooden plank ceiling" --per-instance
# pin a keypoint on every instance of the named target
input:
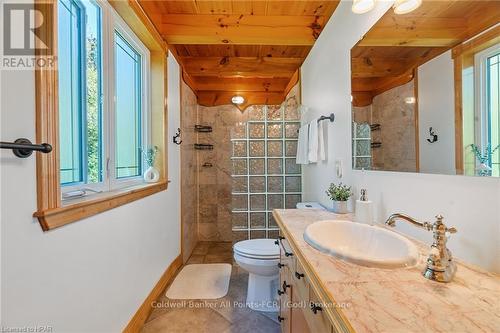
(237, 47)
(389, 53)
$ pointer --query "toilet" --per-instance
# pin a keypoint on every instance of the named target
(260, 258)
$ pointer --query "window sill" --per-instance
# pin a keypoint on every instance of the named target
(89, 206)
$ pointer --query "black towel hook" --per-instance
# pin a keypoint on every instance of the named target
(177, 137)
(433, 135)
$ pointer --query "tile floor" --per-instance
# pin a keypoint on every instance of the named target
(212, 316)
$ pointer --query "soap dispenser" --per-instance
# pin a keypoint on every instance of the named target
(364, 209)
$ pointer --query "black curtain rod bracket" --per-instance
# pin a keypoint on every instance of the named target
(23, 148)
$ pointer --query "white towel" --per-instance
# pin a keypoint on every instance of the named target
(321, 143)
(316, 142)
(313, 141)
(303, 145)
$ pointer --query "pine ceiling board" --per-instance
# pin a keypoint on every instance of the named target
(393, 51)
(434, 24)
(284, 51)
(482, 18)
(178, 6)
(224, 50)
(279, 51)
(215, 7)
(255, 7)
(318, 8)
(180, 50)
(154, 10)
(241, 29)
(376, 67)
(251, 46)
(239, 84)
(241, 66)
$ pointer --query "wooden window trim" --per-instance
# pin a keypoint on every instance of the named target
(463, 56)
(50, 211)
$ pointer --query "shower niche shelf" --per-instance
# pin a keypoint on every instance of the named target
(203, 146)
(202, 128)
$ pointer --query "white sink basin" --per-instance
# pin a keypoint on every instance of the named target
(361, 244)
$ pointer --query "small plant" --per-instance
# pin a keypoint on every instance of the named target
(484, 157)
(339, 192)
(150, 155)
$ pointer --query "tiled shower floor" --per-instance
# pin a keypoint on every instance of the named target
(227, 314)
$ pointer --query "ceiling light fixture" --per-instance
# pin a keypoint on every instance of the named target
(410, 100)
(237, 100)
(406, 6)
(362, 6)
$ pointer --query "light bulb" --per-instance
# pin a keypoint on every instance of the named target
(238, 100)
(362, 6)
(406, 6)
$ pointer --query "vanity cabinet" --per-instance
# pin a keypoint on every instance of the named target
(301, 309)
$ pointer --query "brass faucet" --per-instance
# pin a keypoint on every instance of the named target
(440, 266)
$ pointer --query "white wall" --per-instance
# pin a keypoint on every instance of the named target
(436, 109)
(470, 204)
(91, 275)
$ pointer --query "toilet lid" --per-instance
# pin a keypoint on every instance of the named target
(258, 248)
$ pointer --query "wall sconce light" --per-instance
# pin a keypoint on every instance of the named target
(406, 6)
(362, 6)
(238, 100)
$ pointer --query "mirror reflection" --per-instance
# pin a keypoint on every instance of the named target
(425, 91)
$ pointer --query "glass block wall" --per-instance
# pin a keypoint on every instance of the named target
(264, 173)
(361, 146)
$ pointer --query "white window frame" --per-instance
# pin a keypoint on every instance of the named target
(111, 22)
(480, 93)
(119, 25)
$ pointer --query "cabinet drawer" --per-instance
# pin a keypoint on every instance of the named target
(315, 315)
(300, 281)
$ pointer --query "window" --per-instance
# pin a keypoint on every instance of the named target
(488, 103)
(127, 109)
(97, 107)
(103, 110)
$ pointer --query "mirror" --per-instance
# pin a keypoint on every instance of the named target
(425, 91)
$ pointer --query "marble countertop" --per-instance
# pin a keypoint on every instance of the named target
(399, 300)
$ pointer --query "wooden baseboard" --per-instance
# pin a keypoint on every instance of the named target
(135, 324)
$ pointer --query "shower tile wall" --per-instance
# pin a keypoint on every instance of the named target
(189, 179)
(214, 219)
(397, 130)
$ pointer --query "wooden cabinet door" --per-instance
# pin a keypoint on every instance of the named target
(285, 315)
(299, 323)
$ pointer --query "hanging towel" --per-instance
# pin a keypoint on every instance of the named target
(303, 145)
(316, 142)
(321, 143)
(313, 141)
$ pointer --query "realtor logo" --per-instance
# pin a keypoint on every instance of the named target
(21, 30)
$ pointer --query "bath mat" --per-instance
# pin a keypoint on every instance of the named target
(201, 281)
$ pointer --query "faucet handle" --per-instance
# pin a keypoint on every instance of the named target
(439, 220)
(451, 230)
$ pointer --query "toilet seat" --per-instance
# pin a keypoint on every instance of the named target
(262, 249)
